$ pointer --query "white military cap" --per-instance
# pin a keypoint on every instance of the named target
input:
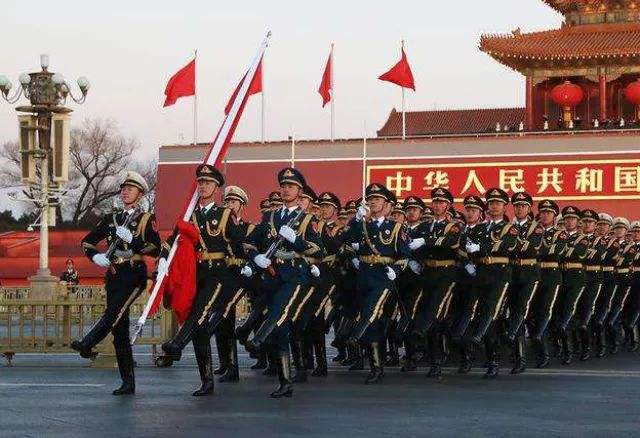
(621, 222)
(635, 225)
(134, 179)
(605, 218)
(235, 192)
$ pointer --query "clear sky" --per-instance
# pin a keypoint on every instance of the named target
(129, 49)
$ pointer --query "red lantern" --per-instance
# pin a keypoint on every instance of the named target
(632, 93)
(568, 96)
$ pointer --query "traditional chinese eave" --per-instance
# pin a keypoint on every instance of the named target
(566, 6)
(569, 47)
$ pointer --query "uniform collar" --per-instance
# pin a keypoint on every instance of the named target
(524, 221)
(207, 207)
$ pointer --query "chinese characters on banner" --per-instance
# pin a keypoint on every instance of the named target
(562, 180)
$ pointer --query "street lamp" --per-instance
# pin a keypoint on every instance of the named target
(47, 93)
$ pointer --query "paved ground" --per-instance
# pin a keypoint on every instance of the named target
(58, 395)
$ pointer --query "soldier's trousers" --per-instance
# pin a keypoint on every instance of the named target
(588, 300)
(410, 294)
(122, 289)
(632, 309)
(573, 285)
(604, 301)
(463, 305)
(437, 287)
(375, 288)
(623, 289)
(544, 301)
(522, 290)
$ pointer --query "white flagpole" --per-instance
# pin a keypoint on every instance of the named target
(333, 94)
(195, 99)
(404, 118)
(364, 160)
(262, 99)
(218, 144)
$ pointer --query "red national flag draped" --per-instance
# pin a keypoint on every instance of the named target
(181, 84)
(400, 74)
(254, 88)
(326, 84)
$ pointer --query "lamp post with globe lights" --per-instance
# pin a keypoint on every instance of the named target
(44, 147)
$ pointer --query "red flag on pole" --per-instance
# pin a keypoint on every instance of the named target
(181, 84)
(326, 83)
(214, 156)
(254, 88)
(400, 74)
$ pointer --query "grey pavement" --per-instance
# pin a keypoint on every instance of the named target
(59, 395)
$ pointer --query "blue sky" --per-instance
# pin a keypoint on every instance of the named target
(129, 49)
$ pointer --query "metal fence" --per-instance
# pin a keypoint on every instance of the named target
(49, 326)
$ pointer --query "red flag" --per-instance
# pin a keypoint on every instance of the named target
(181, 84)
(326, 84)
(400, 74)
(254, 88)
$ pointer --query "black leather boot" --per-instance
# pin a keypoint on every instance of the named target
(358, 362)
(272, 364)
(244, 330)
(342, 355)
(543, 353)
(585, 344)
(298, 362)
(601, 341)
(285, 388)
(520, 362)
(493, 366)
(352, 355)
(96, 334)
(174, 347)
(261, 364)
(567, 348)
(205, 367)
(232, 373)
(634, 341)
(124, 357)
(409, 358)
(256, 343)
(513, 327)
(375, 363)
(307, 353)
(321, 358)
(222, 345)
(393, 359)
(435, 371)
(465, 361)
(481, 330)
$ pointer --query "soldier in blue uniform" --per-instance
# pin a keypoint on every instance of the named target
(607, 292)
(126, 277)
(435, 244)
(285, 272)
(491, 255)
(632, 310)
(215, 288)
(382, 254)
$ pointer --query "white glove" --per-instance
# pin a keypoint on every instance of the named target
(288, 233)
(391, 274)
(163, 266)
(315, 271)
(101, 260)
(124, 234)
(417, 243)
(246, 271)
(472, 247)
(415, 267)
(262, 261)
(471, 269)
(356, 263)
(355, 246)
(361, 212)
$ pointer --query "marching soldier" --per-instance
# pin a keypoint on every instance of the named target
(438, 242)
(607, 292)
(133, 234)
(382, 254)
(465, 297)
(491, 256)
(593, 280)
(223, 319)
(286, 271)
(573, 280)
(553, 244)
(632, 310)
(526, 276)
(215, 288)
(265, 205)
(623, 261)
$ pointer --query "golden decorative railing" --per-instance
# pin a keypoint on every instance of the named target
(47, 326)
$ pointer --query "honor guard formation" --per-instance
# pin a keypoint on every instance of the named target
(383, 275)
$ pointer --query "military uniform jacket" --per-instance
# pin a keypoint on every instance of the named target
(554, 242)
(308, 242)
(218, 231)
(530, 235)
(70, 277)
(496, 239)
(388, 241)
(442, 240)
(146, 240)
(627, 252)
(596, 251)
(332, 234)
(576, 248)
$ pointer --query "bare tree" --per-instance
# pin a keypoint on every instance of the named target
(9, 164)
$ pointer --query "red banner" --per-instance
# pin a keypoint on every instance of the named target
(560, 180)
